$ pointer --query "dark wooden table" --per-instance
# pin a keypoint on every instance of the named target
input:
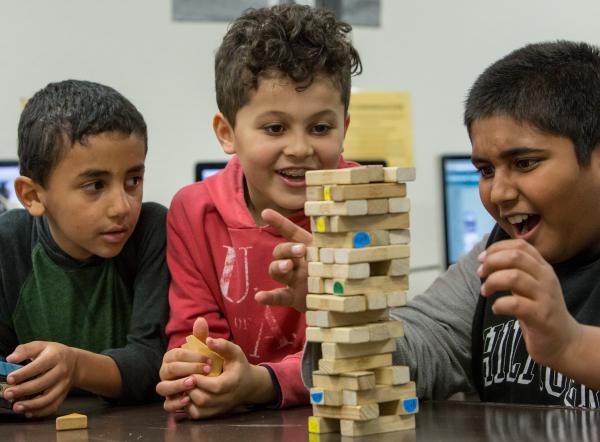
(437, 421)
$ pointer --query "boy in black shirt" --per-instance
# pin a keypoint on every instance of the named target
(83, 286)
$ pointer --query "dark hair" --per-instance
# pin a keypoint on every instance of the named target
(554, 86)
(65, 113)
(294, 40)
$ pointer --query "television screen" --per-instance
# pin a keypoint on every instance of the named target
(465, 219)
(206, 169)
(9, 170)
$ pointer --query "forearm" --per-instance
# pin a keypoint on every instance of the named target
(582, 360)
(97, 374)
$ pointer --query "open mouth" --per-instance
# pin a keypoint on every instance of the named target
(523, 223)
(292, 175)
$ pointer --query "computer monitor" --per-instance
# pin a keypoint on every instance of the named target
(9, 170)
(208, 168)
(465, 219)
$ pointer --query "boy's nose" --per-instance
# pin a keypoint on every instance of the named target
(119, 204)
(503, 189)
(298, 146)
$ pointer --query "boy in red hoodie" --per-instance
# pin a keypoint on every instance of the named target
(283, 88)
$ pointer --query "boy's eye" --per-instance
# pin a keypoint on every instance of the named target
(134, 181)
(321, 129)
(274, 129)
(525, 163)
(94, 186)
(485, 171)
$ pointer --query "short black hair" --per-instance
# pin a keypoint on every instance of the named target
(554, 86)
(294, 40)
(64, 113)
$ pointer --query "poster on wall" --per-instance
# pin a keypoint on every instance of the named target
(380, 128)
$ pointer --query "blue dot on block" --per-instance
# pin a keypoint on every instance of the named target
(317, 397)
(410, 405)
(361, 239)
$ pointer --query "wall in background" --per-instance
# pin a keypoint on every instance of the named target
(434, 49)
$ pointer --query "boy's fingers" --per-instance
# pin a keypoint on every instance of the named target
(518, 282)
(289, 250)
(183, 355)
(173, 388)
(178, 370)
(278, 297)
(522, 308)
(200, 329)
(281, 270)
(285, 227)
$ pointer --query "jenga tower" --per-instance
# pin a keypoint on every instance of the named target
(358, 269)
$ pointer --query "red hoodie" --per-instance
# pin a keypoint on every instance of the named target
(218, 259)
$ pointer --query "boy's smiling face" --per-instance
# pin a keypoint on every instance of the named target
(533, 186)
(93, 196)
(279, 135)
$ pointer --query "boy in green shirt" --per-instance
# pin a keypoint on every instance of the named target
(83, 277)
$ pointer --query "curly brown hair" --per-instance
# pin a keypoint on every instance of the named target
(296, 41)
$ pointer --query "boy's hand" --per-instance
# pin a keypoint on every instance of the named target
(177, 368)
(240, 383)
(40, 387)
(550, 332)
(289, 266)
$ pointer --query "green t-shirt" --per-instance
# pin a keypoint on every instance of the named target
(116, 306)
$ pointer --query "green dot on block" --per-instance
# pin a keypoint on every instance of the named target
(338, 288)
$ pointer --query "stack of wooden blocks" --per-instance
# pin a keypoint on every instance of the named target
(358, 269)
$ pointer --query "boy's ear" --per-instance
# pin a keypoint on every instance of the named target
(28, 193)
(224, 132)
(346, 124)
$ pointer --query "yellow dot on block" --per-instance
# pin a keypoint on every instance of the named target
(327, 193)
(73, 421)
(320, 224)
(313, 425)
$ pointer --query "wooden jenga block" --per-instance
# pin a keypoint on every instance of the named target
(315, 193)
(346, 208)
(396, 299)
(327, 255)
(352, 412)
(382, 424)
(322, 425)
(374, 284)
(316, 284)
(312, 254)
(356, 334)
(398, 174)
(358, 380)
(390, 267)
(321, 396)
(335, 366)
(353, 175)
(195, 344)
(398, 205)
(353, 223)
(394, 375)
(380, 393)
(331, 350)
(355, 240)
(334, 303)
(401, 236)
(378, 206)
(371, 254)
(73, 421)
(362, 191)
(327, 318)
(375, 173)
(349, 271)
(407, 404)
